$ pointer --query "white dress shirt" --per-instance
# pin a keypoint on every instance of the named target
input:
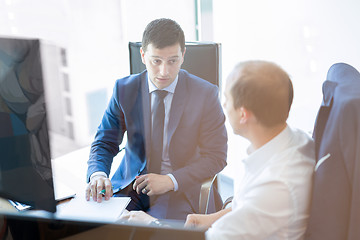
(272, 201)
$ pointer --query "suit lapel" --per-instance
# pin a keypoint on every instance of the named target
(178, 105)
(146, 113)
(323, 114)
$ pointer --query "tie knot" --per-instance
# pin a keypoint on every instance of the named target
(161, 94)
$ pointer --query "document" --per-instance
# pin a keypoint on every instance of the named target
(62, 191)
(80, 209)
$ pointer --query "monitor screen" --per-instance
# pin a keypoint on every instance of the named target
(25, 162)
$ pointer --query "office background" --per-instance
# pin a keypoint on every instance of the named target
(85, 49)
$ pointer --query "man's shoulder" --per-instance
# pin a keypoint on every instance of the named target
(133, 79)
(195, 81)
(301, 145)
(301, 137)
(291, 147)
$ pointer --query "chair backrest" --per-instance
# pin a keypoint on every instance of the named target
(202, 59)
(210, 199)
(335, 205)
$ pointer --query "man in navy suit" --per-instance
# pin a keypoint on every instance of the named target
(193, 137)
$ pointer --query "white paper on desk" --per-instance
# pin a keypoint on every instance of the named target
(80, 209)
(62, 191)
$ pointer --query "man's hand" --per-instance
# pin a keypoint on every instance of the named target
(136, 217)
(153, 184)
(204, 221)
(97, 184)
(198, 220)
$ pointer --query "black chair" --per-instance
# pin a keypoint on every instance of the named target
(335, 204)
(202, 59)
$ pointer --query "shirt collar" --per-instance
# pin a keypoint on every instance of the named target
(170, 88)
(259, 157)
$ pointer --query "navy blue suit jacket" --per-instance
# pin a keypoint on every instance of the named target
(335, 208)
(196, 133)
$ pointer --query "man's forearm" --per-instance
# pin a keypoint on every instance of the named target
(221, 213)
(215, 216)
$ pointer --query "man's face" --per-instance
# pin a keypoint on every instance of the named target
(162, 65)
(233, 114)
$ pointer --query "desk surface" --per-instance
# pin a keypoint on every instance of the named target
(5, 206)
(73, 230)
(70, 169)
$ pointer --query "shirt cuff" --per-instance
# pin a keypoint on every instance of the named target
(95, 174)
(176, 186)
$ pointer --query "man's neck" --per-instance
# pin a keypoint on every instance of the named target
(261, 135)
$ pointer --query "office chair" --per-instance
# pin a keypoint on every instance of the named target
(335, 206)
(207, 191)
(202, 59)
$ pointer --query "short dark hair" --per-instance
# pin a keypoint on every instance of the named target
(264, 89)
(162, 33)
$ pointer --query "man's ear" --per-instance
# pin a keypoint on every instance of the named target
(183, 55)
(142, 53)
(244, 115)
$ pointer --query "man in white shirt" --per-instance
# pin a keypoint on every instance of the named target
(272, 201)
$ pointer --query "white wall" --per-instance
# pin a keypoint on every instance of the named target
(95, 34)
(137, 14)
(91, 33)
(304, 37)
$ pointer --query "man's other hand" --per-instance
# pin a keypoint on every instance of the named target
(205, 220)
(199, 220)
(136, 217)
(153, 184)
(96, 185)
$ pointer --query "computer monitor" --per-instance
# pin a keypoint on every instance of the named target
(25, 162)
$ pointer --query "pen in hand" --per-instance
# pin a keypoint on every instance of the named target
(102, 192)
